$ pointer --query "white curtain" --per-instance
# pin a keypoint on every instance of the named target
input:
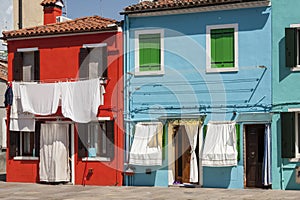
(267, 170)
(220, 145)
(54, 148)
(192, 132)
(80, 100)
(142, 152)
(40, 99)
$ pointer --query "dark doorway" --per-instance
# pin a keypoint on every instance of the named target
(254, 154)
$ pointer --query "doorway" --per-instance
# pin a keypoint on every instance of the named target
(254, 142)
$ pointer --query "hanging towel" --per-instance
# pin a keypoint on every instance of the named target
(20, 121)
(220, 145)
(267, 161)
(141, 153)
(40, 99)
(80, 100)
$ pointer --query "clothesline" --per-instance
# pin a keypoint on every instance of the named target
(102, 79)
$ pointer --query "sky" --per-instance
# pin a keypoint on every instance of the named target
(105, 8)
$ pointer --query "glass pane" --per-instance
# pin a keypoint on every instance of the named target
(27, 143)
(28, 66)
(149, 52)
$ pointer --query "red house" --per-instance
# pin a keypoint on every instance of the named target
(66, 121)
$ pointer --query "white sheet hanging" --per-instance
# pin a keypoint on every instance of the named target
(40, 99)
(4, 131)
(80, 100)
(192, 133)
(141, 153)
(20, 121)
(267, 166)
(54, 144)
(220, 145)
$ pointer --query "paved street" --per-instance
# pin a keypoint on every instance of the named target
(69, 192)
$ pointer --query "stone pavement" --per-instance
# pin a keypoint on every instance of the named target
(70, 192)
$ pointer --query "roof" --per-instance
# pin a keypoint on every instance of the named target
(79, 25)
(159, 5)
(49, 2)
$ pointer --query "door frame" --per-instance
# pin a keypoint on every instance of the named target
(245, 148)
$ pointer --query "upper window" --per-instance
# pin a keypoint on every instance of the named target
(149, 52)
(93, 61)
(26, 65)
(292, 43)
(222, 43)
(290, 134)
(96, 140)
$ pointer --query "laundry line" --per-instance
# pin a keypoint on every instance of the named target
(103, 80)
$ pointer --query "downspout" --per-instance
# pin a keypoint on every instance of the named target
(20, 24)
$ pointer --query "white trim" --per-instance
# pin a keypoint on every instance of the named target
(94, 45)
(25, 158)
(103, 118)
(201, 9)
(294, 110)
(72, 154)
(297, 67)
(23, 50)
(208, 48)
(136, 54)
(98, 159)
(297, 153)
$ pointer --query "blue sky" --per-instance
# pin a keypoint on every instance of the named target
(105, 8)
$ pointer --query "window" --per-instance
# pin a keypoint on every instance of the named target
(290, 134)
(93, 61)
(292, 44)
(26, 65)
(222, 43)
(96, 140)
(149, 58)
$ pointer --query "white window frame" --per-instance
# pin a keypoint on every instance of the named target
(297, 67)
(297, 129)
(137, 50)
(208, 48)
(33, 157)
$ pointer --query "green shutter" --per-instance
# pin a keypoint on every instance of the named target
(110, 139)
(291, 47)
(149, 52)
(238, 136)
(288, 135)
(222, 48)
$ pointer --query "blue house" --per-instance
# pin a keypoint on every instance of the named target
(286, 94)
(198, 93)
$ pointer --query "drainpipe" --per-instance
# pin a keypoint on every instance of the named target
(20, 24)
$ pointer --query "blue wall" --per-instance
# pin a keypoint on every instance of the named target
(286, 89)
(186, 88)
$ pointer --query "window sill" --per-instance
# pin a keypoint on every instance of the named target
(149, 73)
(294, 159)
(296, 69)
(97, 159)
(218, 70)
(25, 158)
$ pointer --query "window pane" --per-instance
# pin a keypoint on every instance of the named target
(27, 143)
(149, 52)
(222, 48)
(28, 66)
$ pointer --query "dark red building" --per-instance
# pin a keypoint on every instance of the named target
(70, 53)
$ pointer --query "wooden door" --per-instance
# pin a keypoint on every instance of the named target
(183, 156)
(254, 155)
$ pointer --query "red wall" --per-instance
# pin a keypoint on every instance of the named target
(59, 61)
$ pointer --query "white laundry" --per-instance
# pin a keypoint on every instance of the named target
(20, 121)
(80, 100)
(220, 145)
(141, 153)
(40, 99)
(102, 92)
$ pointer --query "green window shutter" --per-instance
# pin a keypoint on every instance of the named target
(37, 65)
(110, 139)
(18, 66)
(222, 48)
(149, 52)
(204, 131)
(82, 131)
(83, 63)
(238, 138)
(288, 135)
(291, 47)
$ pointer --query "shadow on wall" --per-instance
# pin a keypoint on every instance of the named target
(216, 177)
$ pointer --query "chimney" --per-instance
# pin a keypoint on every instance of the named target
(52, 9)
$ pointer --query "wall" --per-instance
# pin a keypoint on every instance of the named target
(186, 88)
(59, 61)
(286, 91)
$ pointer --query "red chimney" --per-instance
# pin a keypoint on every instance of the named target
(52, 9)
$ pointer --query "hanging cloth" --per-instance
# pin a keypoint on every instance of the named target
(267, 167)
(8, 96)
(40, 99)
(20, 121)
(54, 145)
(102, 92)
(220, 145)
(80, 100)
(142, 151)
(192, 133)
